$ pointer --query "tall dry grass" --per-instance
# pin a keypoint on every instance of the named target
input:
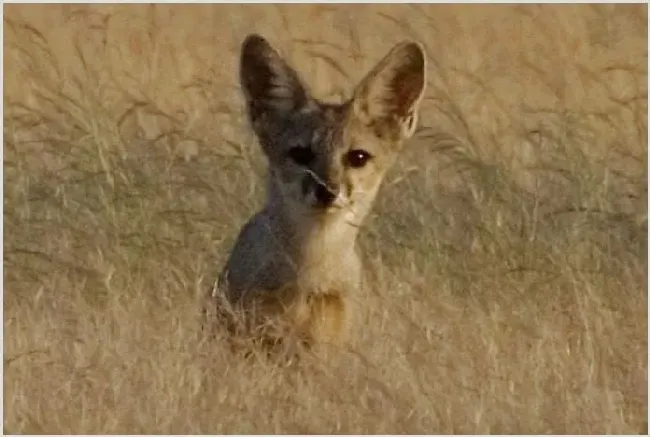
(510, 239)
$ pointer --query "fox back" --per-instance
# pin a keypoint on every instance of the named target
(297, 258)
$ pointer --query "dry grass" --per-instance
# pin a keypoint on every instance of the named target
(510, 239)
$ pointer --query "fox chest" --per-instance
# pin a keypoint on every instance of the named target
(319, 297)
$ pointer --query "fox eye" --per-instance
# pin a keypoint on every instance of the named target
(301, 155)
(357, 158)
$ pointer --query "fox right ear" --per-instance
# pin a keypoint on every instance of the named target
(389, 96)
(269, 84)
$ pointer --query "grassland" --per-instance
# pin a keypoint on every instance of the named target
(510, 239)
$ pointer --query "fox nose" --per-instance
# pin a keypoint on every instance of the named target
(325, 195)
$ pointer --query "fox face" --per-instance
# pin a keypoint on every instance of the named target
(328, 160)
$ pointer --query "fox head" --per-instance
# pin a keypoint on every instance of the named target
(328, 160)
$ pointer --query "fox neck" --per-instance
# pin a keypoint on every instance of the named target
(311, 237)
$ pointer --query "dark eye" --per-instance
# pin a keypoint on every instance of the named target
(358, 158)
(301, 155)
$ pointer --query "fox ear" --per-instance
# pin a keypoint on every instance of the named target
(388, 98)
(270, 86)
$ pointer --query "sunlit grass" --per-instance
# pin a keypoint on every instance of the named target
(510, 241)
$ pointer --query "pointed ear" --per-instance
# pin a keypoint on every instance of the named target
(271, 87)
(388, 98)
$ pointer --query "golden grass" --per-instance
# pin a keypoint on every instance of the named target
(510, 240)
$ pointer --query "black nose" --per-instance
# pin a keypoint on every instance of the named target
(325, 195)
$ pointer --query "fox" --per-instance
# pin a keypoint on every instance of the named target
(296, 262)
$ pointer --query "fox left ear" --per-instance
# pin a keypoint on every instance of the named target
(269, 84)
(272, 89)
(389, 97)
